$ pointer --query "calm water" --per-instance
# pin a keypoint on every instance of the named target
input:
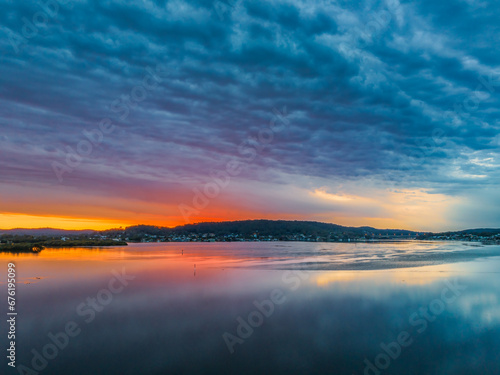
(258, 308)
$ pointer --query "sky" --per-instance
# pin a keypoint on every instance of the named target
(379, 113)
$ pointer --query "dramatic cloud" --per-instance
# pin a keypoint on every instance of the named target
(172, 111)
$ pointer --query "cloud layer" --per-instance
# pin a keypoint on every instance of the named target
(368, 100)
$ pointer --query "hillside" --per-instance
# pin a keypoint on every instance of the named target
(244, 230)
(257, 229)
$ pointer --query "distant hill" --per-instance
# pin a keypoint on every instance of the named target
(269, 227)
(45, 232)
(245, 229)
(262, 228)
(488, 231)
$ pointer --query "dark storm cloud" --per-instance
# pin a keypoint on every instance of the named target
(379, 90)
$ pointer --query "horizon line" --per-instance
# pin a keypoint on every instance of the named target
(122, 227)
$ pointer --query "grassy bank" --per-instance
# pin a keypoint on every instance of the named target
(37, 245)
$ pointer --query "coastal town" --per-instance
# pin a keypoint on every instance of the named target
(212, 237)
(244, 231)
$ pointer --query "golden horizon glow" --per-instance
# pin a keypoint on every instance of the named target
(397, 209)
(23, 221)
(15, 221)
(416, 210)
(321, 193)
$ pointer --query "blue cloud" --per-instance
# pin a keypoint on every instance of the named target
(401, 92)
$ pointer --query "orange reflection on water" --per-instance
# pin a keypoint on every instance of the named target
(156, 261)
(410, 276)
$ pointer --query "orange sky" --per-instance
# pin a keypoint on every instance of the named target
(380, 208)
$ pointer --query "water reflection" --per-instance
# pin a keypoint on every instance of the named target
(172, 316)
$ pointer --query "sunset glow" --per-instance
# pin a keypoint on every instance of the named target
(9, 221)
